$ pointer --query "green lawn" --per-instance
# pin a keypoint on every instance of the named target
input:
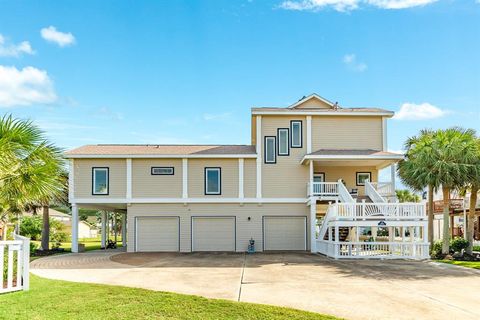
(53, 299)
(90, 244)
(468, 264)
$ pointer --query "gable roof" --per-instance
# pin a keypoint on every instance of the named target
(162, 151)
(311, 97)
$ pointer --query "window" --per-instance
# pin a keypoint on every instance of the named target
(100, 181)
(362, 176)
(162, 171)
(296, 131)
(270, 150)
(319, 177)
(213, 180)
(283, 143)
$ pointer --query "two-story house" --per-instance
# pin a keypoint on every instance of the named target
(304, 182)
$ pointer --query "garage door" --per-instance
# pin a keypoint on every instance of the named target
(157, 234)
(284, 233)
(213, 234)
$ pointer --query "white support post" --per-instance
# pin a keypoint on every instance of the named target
(185, 178)
(384, 131)
(313, 226)
(241, 164)
(124, 230)
(309, 134)
(392, 177)
(104, 230)
(71, 181)
(259, 156)
(74, 228)
(337, 240)
(311, 179)
(129, 179)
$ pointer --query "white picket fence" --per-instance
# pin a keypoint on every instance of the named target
(15, 259)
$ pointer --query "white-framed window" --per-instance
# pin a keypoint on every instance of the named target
(163, 171)
(100, 180)
(213, 181)
(362, 177)
(319, 177)
(270, 149)
(296, 133)
(283, 142)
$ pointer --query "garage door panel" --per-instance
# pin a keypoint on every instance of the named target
(158, 234)
(213, 234)
(284, 233)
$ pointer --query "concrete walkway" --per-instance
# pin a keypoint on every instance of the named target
(349, 289)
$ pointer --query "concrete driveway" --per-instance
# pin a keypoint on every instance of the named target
(350, 289)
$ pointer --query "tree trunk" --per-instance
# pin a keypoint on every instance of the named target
(446, 220)
(471, 219)
(46, 229)
(430, 216)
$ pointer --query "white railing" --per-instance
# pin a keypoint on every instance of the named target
(325, 189)
(372, 193)
(343, 193)
(384, 188)
(14, 262)
(380, 210)
(379, 250)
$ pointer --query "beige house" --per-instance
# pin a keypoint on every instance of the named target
(307, 164)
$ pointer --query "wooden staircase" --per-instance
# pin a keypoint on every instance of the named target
(342, 234)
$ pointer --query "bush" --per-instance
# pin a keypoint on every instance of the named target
(57, 236)
(437, 250)
(33, 248)
(458, 244)
(476, 248)
(31, 227)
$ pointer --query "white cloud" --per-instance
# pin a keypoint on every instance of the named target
(220, 116)
(350, 60)
(25, 87)
(423, 111)
(349, 5)
(62, 39)
(14, 50)
(106, 113)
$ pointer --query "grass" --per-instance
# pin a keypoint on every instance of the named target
(90, 244)
(468, 264)
(53, 299)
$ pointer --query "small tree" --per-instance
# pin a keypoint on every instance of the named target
(407, 196)
(31, 227)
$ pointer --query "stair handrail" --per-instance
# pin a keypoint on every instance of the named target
(372, 193)
(343, 193)
(331, 212)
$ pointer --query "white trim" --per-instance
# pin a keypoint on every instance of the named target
(274, 155)
(103, 231)
(74, 229)
(287, 141)
(309, 134)
(188, 200)
(159, 156)
(219, 180)
(384, 134)
(94, 185)
(184, 178)
(240, 178)
(313, 227)
(71, 180)
(313, 95)
(352, 157)
(393, 175)
(310, 183)
(129, 178)
(259, 156)
(324, 113)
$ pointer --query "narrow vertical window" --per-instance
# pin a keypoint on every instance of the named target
(270, 150)
(296, 133)
(283, 146)
(100, 181)
(213, 181)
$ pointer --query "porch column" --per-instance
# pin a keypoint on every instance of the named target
(313, 226)
(310, 192)
(104, 230)
(124, 230)
(74, 228)
(412, 233)
(393, 174)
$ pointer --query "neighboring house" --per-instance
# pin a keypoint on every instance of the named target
(85, 230)
(275, 191)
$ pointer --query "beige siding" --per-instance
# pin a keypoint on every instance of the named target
(196, 177)
(146, 185)
(285, 233)
(250, 178)
(348, 174)
(245, 229)
(83, 177)
(313, 103)
(287, 178)
(345, 132)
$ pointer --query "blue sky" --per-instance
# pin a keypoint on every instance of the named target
(189, 71)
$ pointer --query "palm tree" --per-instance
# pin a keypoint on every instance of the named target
(30, 168)
(415, 170)
(407, 196)
(474, 184)
(454, 152)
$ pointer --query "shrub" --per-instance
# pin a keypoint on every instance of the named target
(437, 249)
(458, 244)
(57, 236)
(33, 248)
(476, 248)
(31, 227)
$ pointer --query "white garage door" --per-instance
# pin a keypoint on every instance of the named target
(284, 233)
(157, 234)
(213, 233)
